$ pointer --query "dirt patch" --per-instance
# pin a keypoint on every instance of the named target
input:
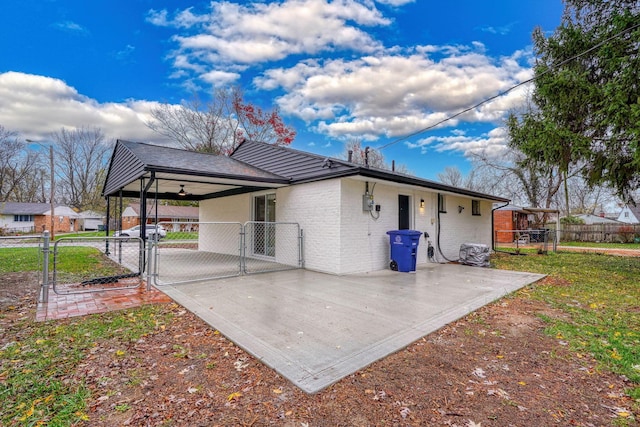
(17, 288)
(494, 367)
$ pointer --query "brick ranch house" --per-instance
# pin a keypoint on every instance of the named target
(165, 213)
(36, 218)
(345, 209)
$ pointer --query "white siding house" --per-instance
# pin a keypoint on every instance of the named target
(630, 214)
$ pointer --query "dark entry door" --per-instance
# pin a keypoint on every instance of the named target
(403, 212)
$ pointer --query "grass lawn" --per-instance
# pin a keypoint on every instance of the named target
(602, 302)
(36, 387)
(73, 259)
(599, 294)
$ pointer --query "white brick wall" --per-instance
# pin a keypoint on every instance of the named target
(341, 238)
(223, 238)
(365, 243)
(316, 207)
(457, 228)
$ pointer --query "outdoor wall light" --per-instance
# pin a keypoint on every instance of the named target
(460, 209)
(182, 193)
(421, 203)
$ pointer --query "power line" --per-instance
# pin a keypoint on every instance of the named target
(466, 110)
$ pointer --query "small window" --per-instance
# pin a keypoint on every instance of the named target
(626, 214)
(442, 203)
(475, 207)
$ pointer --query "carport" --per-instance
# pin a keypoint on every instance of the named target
(152, 173)
(315, 328)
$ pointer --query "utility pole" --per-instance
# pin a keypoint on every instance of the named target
(52, 185)
(52, 192)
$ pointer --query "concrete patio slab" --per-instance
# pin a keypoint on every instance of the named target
(315, 329)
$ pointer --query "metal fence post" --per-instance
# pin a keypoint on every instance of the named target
(243, 234)
(149, 258)
(44, 289)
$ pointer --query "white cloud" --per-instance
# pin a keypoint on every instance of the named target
(35, 106)
(492, 144)
(71, 27)
(391, 95)
(220, 78)
(395, 3)
(502, 30)
(230, 34)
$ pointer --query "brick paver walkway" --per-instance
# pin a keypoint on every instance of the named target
(71, 305)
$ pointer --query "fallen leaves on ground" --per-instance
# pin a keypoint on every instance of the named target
(495, 367)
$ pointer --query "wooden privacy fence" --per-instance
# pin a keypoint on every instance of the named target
(625, 233)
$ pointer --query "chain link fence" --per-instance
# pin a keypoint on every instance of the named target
(197, 251)
(271, 246)
(93, 264)
(211, 250)
(525, 241)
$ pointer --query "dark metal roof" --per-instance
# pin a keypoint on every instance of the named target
(132, 161)
(252, 166)
(299, 166)
(305, 167)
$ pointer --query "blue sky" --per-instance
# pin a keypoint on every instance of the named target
(370, 70)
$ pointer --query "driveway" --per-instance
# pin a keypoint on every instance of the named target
(315, 328)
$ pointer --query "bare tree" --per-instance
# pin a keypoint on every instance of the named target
(81, 157)
(220, 125)
(453, 176)
(524, 181)
(20, 170)
(584, 198)
(368, 156)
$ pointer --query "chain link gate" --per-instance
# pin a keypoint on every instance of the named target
(94, 264)
(271, 246)
(197, 251)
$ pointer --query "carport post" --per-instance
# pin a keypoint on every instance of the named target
(44, 289)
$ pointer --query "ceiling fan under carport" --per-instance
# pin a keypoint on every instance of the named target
(182, 192)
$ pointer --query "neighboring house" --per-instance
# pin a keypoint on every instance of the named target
(507, 220)
(345, 209)
(590, 219)
(181, 215)
(511, 221)
(36, 218)
(630, 214)
(90, 220)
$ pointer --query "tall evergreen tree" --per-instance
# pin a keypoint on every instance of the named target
(586, 101)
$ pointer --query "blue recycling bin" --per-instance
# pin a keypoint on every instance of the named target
(404, 249)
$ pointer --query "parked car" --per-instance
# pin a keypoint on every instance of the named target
(150, 231)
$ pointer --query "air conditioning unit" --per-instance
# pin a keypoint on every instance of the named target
(474, 254)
